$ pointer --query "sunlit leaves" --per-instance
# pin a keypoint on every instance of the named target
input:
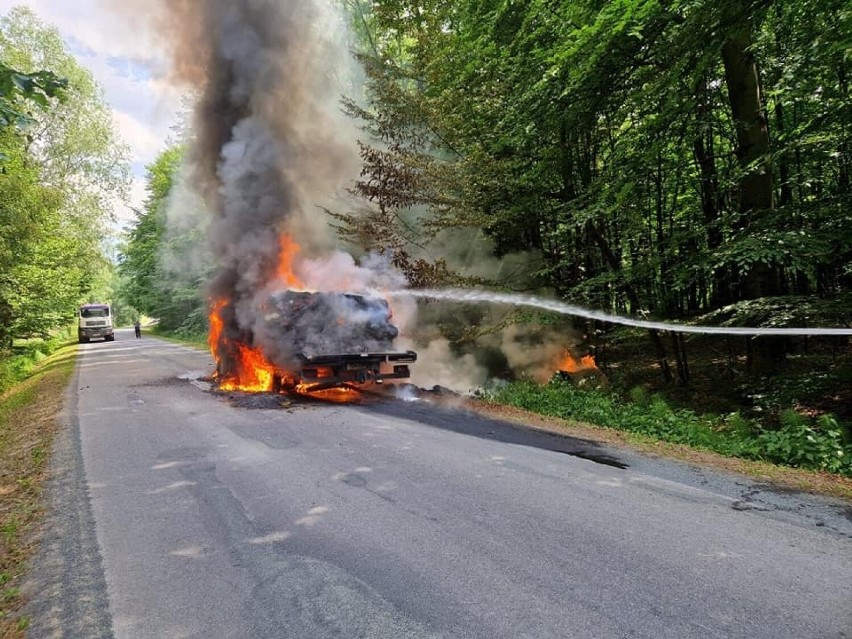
(62, 169)
(601, 134)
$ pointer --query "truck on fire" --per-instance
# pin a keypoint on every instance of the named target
(309, 341)
(334, 339)
(95, 322)
(355, 343)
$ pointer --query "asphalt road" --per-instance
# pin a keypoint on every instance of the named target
(178, 512)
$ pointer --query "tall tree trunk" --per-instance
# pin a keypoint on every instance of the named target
(755, 188)
(844, 162)
(679, 348)
(703, 148)
(783, 158)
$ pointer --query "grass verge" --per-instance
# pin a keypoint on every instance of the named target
(801, 454)
(28, 412)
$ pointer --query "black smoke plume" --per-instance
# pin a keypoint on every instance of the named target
(266, 148)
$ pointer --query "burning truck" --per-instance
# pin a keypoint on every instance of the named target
(309, 341)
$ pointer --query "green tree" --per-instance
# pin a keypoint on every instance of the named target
(629, 143)
(151, 262)
(63, 168)
(18, 90)
(75, 141)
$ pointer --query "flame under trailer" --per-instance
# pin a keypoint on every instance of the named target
(350, 369)
(342, 339)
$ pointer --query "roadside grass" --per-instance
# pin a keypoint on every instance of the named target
(28, 411)
(19, 361)
(815, 445)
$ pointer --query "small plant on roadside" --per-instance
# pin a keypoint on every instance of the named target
(639, 396)
(809, 443)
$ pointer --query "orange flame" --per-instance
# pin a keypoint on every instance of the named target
(570, 364)
(252, 372)
(287, 254)
(336, 395)
(255, 374)
(216, 326)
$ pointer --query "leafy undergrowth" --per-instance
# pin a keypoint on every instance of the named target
(815, 379)
(27, 424)
(18, 363)
(800, 441)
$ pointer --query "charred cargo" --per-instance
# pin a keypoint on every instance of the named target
(331, 339)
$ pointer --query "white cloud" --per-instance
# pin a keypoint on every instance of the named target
(144, 141)
(94, 25)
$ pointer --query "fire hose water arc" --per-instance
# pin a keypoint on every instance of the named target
(563, 308)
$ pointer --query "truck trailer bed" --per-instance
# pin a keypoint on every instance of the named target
(347, 369)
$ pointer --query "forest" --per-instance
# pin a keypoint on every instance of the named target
(62, 168)
(682, 160)
(671, 159)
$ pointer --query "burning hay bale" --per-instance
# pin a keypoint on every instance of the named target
(310, 341)
(314, 324)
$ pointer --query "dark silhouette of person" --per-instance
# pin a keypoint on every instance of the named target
(138, 328)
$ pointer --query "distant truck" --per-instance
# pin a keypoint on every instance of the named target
(95, 323)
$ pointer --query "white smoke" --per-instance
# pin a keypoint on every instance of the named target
(271, 150)
(438, 365)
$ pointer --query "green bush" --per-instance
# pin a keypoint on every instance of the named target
(17, 363)
(800, 441)
(807, 443)
(639, 396)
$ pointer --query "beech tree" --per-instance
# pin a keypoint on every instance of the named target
(678, 159)
(61, 168)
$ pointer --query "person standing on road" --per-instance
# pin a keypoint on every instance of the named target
(137, 328)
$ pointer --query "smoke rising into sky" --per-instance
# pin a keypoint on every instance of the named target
(269, 146)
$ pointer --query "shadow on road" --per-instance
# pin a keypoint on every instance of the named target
(467, 422)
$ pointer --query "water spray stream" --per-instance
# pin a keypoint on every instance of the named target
(513, 299)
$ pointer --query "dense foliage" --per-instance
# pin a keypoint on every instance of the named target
(668, 158)
(16, 89)
(61, 169)
(155, 276)
(799, 441)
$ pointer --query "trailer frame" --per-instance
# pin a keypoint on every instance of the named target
(347, 369)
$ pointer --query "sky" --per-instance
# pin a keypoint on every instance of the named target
(126, 61)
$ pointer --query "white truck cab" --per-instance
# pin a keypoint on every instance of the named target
(95, 322)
